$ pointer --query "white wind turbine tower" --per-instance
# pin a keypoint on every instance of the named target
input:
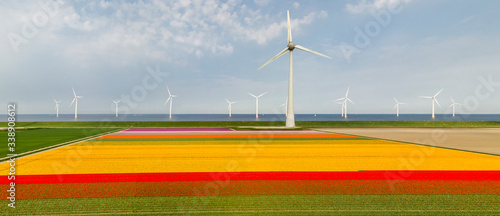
(57, 107)
(170, 98)
(290, 117)
(453, 105)
(75, 100)
(286, 107)
(257, 103)
(397, 107)
(345, 99)
(433, 100)
(229, 107)
(116, 107)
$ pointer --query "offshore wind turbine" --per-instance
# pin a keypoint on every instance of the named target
(397, 107)
(75, 100)
(453, 105)
(257, 103)
(433, 100)
(345, 99)
(230, 103)
(116, 107)
(57, 107)
(290, 117)
(170, 98)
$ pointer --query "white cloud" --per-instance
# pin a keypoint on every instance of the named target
(268, 32)
(159, 29)
(296, 5)
(199, 53)
(187, 28)
(371, 5)
(104, 4)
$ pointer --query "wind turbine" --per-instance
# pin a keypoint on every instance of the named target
(286, 107)
(453, 105)
(75, 100)
(397, 107)
(57, 107)
(116, 105)
(257, 103)
(433, 100)
(345, 99)
(230, 103)
(290, 117)
(170, 98)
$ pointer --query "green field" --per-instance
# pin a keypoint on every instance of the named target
(265, 205)
(303, 124)
(43, 134)
(36, 138)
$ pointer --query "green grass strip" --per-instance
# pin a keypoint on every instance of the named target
(32, 139)
(264, 205)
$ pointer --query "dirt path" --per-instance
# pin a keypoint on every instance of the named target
(485, 140)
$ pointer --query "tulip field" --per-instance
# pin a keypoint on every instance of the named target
(205, 171)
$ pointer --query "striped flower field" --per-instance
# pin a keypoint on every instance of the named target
(204, 162)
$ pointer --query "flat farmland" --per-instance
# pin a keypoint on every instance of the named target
(222, 171)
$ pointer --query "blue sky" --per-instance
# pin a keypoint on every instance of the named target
(206, 51)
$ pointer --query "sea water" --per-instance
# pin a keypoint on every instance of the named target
(249, 117)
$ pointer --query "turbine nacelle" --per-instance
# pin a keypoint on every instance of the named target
(434, 99)
(291, 46)
(229, 102)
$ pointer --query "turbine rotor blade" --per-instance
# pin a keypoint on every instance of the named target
(72, 101)
(167, 101)
(350, 100)
(74, 93)
(439, 92)
(252, 95)
(289, 27)
(395, 100)
(168, 91)
(437, 102)
(347, 92)
(314, 52)
(395, 106)
(339, 99)
(426, 97)
(263, 94)
(275, 57)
